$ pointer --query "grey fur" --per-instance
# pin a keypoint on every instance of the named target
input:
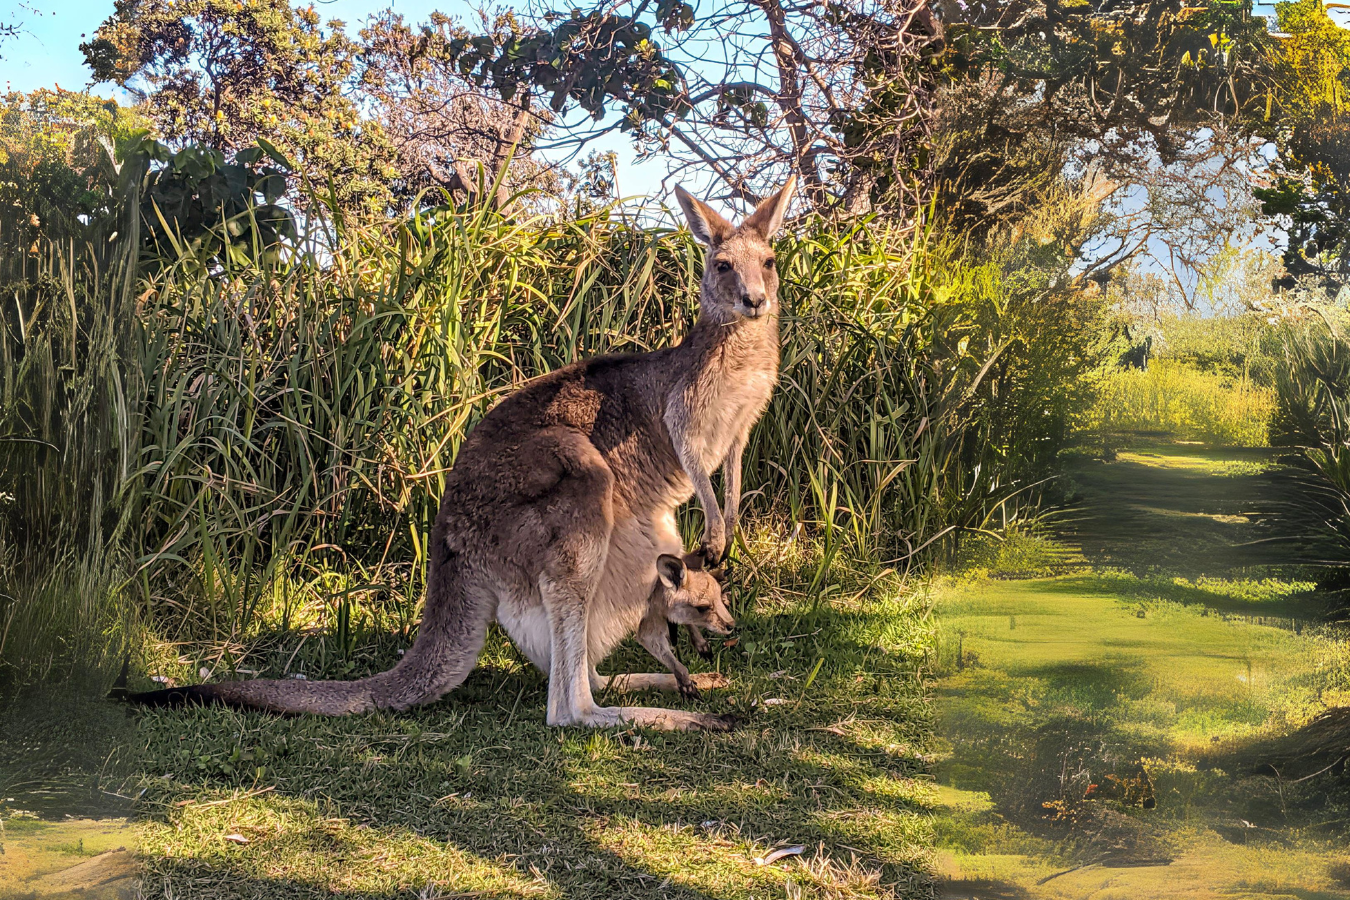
(564, 495)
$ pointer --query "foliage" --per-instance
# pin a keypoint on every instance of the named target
(298, 410)
(221, 74)
(376, 119)
(439, 122)
(70, 396)
(1227, 345)
(839, 93)
(1185, 401)
(57, 151)
(1313, 414)
(1122, 83)
(1312, 188)
(198, 205)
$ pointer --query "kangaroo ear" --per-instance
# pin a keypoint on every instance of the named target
(670, 569)
(709, 228)
(768, 216)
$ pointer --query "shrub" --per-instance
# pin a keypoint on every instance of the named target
(1185, 402)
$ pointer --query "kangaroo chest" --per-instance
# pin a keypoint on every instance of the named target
(730, 399)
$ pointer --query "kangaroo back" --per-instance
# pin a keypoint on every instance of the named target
(454, 627)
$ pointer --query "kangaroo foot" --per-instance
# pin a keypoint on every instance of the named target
(673, 719)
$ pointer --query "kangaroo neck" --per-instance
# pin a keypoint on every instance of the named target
(732, 340)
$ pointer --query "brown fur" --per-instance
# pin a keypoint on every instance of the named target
(685, 594)
(564, 496)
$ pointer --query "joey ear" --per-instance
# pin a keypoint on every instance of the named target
(694, 561)
(670, 569)
(719, 575)
(768, 216)
(708, 227)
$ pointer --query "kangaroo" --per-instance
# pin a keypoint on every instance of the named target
(685, 594)
(564, 495)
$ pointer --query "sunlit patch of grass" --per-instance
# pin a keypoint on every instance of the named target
(1019, 551)
(1085, 635)
(1198, 461)
(274, 846)
(1067, 682)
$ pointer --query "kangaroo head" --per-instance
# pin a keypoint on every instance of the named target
(740, 278)
(693, 593)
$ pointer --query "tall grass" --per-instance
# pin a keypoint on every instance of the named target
(70, 416)
(1186, 402)
(281, 429)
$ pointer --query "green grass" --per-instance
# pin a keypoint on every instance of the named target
(476, 794)
(1102, 718)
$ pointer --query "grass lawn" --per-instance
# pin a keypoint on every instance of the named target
(1093, 725)
(475, 796)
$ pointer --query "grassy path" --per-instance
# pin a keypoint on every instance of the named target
(1097, 726)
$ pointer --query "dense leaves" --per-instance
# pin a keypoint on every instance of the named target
(1311, 190)
(1040, 82)
(197, 203)
(222, 73)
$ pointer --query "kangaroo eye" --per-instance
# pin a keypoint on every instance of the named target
(723, 266)
(770, 263)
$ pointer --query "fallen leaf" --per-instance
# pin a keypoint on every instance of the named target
(775, 856)
(236, 838)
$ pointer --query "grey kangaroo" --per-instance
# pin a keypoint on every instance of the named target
(686, 594)
(564, 496)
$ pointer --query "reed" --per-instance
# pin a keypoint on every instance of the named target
(266, 437)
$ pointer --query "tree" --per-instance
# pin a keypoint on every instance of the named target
(1310, 190)
(222, 73)
(438, 122)
(1129, 83)
(57, 149)
(838, 92)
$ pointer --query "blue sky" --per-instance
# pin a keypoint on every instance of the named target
(47, 53)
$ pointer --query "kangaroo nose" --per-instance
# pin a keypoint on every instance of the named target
(752, 302)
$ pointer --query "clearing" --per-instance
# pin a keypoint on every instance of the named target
(1098, 726)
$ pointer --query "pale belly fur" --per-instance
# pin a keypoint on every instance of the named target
(619, 602)
(724, 419)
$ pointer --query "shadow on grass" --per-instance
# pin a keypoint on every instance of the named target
(981, 889)
(491, 800)
(63, 753)
(1158, 509)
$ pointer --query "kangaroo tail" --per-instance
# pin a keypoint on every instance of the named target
(454, 627)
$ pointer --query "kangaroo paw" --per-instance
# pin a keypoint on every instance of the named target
(660, 719)
(710, 681)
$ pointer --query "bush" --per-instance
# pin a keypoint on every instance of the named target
(284, 422)
(1186, 403)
